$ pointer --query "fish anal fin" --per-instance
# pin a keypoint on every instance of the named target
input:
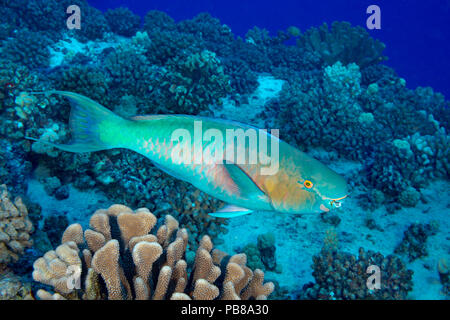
(230, 211)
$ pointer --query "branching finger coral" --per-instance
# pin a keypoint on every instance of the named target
(119, 259)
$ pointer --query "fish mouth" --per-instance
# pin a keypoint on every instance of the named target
(336, 202)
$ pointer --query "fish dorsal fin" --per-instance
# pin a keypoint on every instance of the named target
(230, 211)
(150, 117)
(243, 184)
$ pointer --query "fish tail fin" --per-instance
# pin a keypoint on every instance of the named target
(90, 124)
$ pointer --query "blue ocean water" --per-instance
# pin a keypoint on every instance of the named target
(416, 33)
(352, 203)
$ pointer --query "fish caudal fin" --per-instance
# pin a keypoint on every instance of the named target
(89, 123)
(230, 211)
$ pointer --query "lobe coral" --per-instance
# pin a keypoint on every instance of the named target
(118, 258)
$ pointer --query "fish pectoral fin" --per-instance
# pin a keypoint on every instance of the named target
(243, 184)
(230, 211)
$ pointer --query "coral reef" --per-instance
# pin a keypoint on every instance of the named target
(342, 43)
(28, 48)
(36, 15)
(15, 227)
(262, 254)
(120, 259)
(54, 226)
(158, 20)
(242, 78)
(130, 178)
(12, 288)
(130, 71)
(94, 22)
(123, 21)
(253, 256)
(328, 112)
(343, 100)
(192, 211)
(340, 275)
(266, 246)
(53, 187)
(194, 82)
(409, 197)
(329, 94)
(413, 244)
(14, 167)
(85, 80)
(402, 146)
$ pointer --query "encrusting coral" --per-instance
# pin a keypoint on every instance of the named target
(118, 258)
(13, 288)
(413, 244)
(341, 275)
(15, 227)
(28, 48)
(343, 43)
(123, 21)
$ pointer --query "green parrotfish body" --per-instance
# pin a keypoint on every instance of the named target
(276, 177)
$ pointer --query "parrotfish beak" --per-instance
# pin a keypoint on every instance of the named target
(334, 203)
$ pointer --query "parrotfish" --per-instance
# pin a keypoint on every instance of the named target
(277, 177)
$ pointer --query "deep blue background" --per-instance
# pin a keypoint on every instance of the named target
(416, 32)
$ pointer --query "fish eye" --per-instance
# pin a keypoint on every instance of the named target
(308, 184)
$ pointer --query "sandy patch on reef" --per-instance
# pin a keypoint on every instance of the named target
(299, 237)
(268, 88)
(65, 49)
(78, 207)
